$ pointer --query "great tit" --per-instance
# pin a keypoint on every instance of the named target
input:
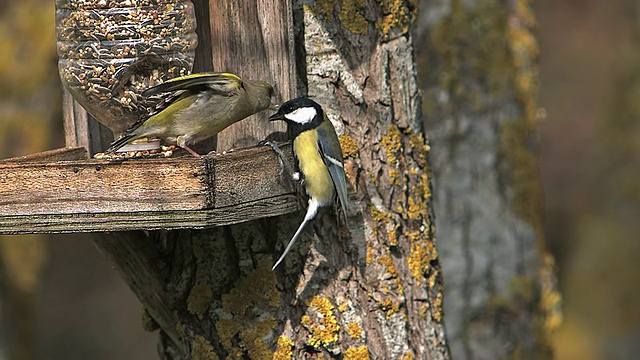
(202, 105)
(319, 156)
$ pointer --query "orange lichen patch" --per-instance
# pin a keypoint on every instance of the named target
(393, 235)
(408, 356)
(343, 307)
(422, 253)
(425, 181)
(437, 306)
(323, 7)
(359, 353)
(352, 18)
(256, 347)
(227, 329)
(433, 278)
(348, 145)
(390, 307)
(202, 349)
(354, 330)
(550, 298)
(306, 320)
(258, 286)
(417, 206)
(394, 176)
(323, 327)
(369, 257)
(199, 299)
(415, 210)
(284, 351)
(423, 311)
(397, 15)
(391, 142)
(378, 215)
(419, 146)
(390, 266)
(242, 334)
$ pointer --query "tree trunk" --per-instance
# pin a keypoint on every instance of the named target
(480, 79)
(370, 291)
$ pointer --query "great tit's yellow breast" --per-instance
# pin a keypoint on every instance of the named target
(317, 179)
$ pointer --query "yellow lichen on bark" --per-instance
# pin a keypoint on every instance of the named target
(389, 265)
(202, 349)
(392, 144)
(390, 307)
(322, 324)
(352, 18)
(227, 329)
(323, 7)
(422, 253)
(253, 339)
(551, 300)
(199, 299)
(284, 351)
(359, 353)
(408, 355)
(396, 14)
(354, 330)
(348, 145)
(240, 334)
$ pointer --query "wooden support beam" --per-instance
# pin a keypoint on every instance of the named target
(70, 153)
(147, 194)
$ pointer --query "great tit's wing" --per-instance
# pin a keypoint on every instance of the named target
(331, 153)
(219, 83)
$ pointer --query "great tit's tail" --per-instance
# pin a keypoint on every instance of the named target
(312, 210)
(120, 143)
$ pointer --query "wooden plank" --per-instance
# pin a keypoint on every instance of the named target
(254, 39)
(70, 153)
(81, 129)
(99, 195)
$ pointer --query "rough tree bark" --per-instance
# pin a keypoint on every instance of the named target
(372, 291)
(480, 80)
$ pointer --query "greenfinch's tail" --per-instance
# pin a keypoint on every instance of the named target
(120, 143)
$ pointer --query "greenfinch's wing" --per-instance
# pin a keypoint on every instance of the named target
(221, 83)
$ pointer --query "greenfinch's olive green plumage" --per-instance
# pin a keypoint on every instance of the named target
(203, 105)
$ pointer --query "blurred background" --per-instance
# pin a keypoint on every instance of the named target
(590, 169)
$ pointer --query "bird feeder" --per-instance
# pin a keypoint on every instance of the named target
(111, 51)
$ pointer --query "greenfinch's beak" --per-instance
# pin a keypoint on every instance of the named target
(273, 107)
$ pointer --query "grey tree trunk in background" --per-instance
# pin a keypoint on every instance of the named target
(479, 74)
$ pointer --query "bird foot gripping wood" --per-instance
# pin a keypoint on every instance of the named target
(284, 163)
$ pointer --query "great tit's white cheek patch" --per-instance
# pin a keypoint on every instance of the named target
(302, 115)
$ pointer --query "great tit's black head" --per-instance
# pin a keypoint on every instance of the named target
(300, 114)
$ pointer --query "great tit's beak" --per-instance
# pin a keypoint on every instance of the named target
(276, 116)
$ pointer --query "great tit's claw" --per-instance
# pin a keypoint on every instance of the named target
(277, 150)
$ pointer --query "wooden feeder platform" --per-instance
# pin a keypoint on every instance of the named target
(61, 191)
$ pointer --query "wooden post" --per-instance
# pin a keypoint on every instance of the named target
(253, 38)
